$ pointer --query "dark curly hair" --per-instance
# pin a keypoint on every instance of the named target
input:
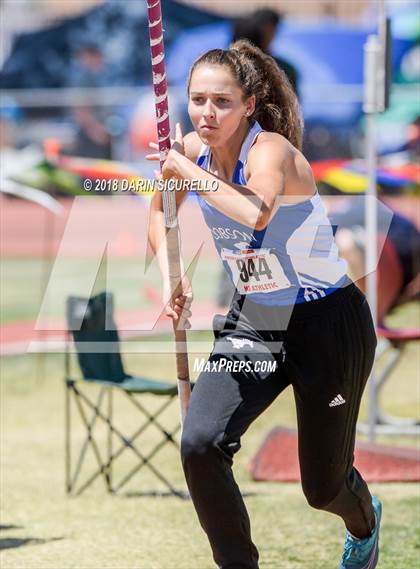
(276, 108)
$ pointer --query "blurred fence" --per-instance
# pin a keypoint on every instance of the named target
(30, 116)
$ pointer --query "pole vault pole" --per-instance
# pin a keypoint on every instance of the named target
(157, 51)
(370, 108)
(375, 101)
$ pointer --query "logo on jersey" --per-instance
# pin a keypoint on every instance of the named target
(228, 233)
(242, 245)
(239, 343)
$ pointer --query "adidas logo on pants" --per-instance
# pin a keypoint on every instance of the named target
(337, 401)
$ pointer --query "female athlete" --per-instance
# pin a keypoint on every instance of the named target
(294, 307)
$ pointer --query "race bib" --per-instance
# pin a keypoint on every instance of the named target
(255, 270)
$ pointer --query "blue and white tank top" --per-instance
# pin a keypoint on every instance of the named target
(293, 260)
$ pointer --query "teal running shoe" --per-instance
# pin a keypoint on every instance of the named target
(363, 553)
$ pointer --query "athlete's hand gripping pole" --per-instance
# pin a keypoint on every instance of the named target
(157, 51)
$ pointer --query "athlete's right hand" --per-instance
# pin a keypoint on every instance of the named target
(179, 308)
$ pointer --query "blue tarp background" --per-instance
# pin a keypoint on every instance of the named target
(325, 54)
(42, 59)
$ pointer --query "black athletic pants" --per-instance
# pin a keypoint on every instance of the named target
(327, 354)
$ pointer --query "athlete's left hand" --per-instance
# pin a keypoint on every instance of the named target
(169, 169)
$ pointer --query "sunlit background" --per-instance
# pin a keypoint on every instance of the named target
(77, 106)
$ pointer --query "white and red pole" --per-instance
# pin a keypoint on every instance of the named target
(157, 51)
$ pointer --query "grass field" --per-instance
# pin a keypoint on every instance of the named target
(42, 528)
(23, 282)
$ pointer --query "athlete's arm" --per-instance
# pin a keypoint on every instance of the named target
(252, 204)
(266, 171)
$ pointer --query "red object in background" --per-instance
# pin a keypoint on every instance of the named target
(409, 171)
(143, 131)
(277, 460)
(389, 276)
(97, 169)
(321, 167)
(52, 149)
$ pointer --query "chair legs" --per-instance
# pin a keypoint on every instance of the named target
(388, 424)
(110, 438)
(101, 411)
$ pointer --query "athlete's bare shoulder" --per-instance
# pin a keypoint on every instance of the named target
(270, 148)
(284, 151)
(192, 145)
(275, 142)
(274, 151)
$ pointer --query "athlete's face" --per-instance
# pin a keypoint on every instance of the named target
(216, 104)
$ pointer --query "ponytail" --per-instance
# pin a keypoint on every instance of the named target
(276, 107)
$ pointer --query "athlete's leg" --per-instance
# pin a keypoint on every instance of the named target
(328, 383)
(223, 405)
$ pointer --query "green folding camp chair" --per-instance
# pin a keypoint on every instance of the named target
(91, 324)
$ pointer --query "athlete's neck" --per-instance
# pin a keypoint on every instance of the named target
(224, 158)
